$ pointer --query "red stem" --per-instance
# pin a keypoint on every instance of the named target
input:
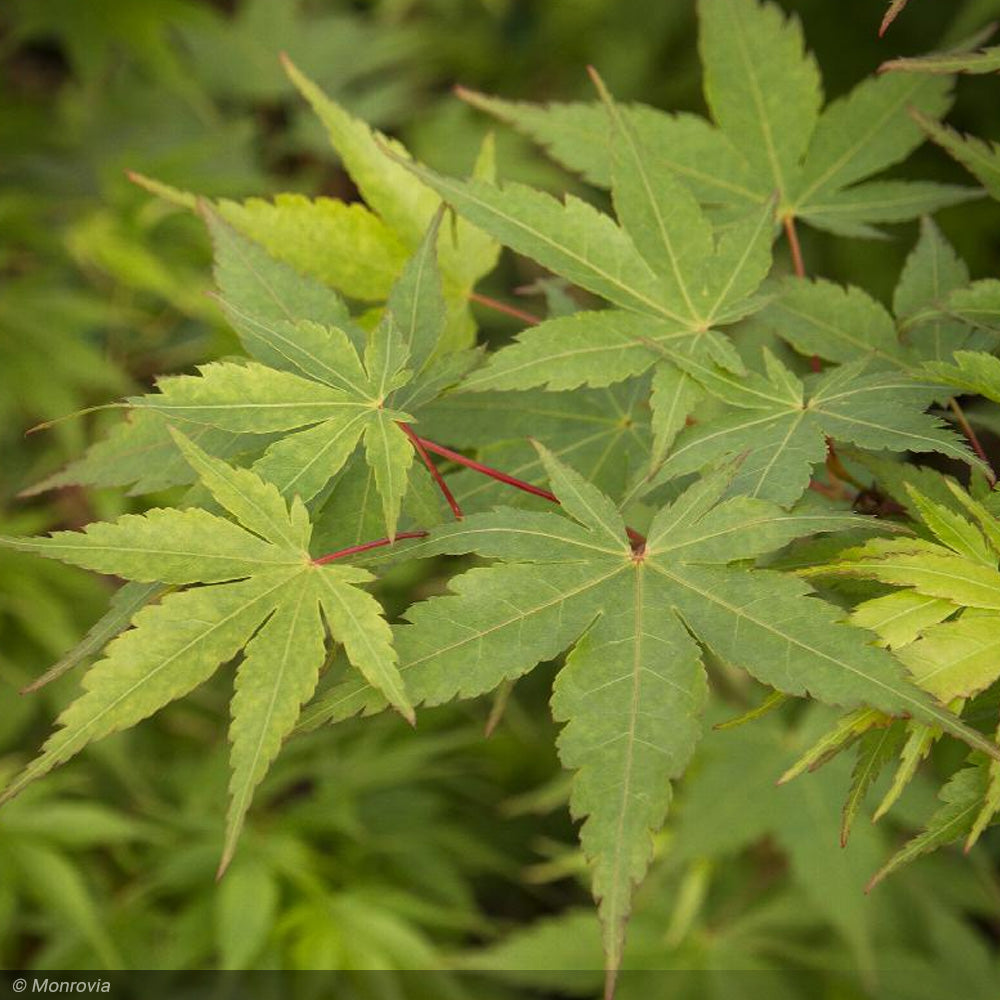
(365, 546)
(485, 300)
(487, 470)
(793, 245)
(433, 469)
(634, 537)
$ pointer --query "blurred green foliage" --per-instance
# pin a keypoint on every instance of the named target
(372, 847)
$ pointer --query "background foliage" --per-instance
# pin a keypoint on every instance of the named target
(369, 847)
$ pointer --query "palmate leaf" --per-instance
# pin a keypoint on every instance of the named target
(632, 690)
(934, 316)
(671, 278)
(313, 382)
(265, 596)
(769, 133)
(944, 626)
(782, 428)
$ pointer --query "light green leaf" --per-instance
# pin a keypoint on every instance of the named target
(875, 750)
(956, 659)
(464, 253)
(389, 453)
(763, 89)
(273, 613)
(659, 213)
(628, 615)
(355, 619)
(165, 546)
(248, 398)
(585, 348)
(277, 675)
(952, 529)
(344, 246)
(631, 694)
(417, 302)
(898, 618)
(172, 648)
(849, 212)
(962, 797)
(867, 131)
(257, 505)
(264, 287)
(990, 807)
(673, 396)
(929, 569)
(572, 238)
(972, 372)
(833, 322)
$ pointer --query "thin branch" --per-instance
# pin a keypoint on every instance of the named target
(635, 539)
(352, 550)
(973, 439)
(484, 300)
(487, 470)
(432, 468)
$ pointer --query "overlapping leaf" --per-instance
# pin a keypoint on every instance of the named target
(264, 596)
(782, 427)
(632, 690)
(313, 391)
(944, 625)
(936, 312)
(769, 133)
(670, 277)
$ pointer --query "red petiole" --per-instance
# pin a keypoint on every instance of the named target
(423, 446)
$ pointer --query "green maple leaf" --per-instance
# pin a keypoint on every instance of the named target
(633, 688)
(670, 277)
(262, 595)
(311, 388)
(972, 372)
(936, 312)
(769, 132)
(782, 427)
(944, 626)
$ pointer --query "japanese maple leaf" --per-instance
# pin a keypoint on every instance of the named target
(935, 312)
(781, 423)
(311, 387)
(671, 278)
(633, 688)
(250, 587)
(769, 133)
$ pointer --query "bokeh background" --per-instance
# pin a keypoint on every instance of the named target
(372, 847)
